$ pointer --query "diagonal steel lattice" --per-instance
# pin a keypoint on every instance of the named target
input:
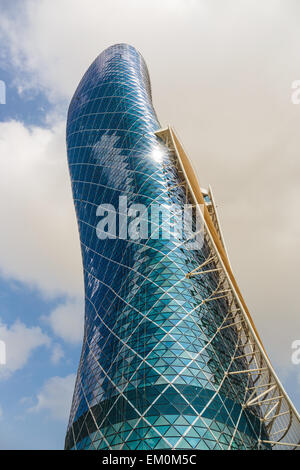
(171, 358)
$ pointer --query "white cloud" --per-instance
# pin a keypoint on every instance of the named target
(20, 341)
(56, 396)
(53, 60)
(66, 321)
(57, 354)
(39, 236)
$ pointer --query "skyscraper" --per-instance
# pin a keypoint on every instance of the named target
(171, 358)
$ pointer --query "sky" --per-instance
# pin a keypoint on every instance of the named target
(222, 75)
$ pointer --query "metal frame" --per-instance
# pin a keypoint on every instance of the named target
(277, 412)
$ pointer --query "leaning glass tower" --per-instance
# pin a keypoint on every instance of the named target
(171, 358)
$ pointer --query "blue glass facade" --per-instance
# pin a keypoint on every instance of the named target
(152, 373)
